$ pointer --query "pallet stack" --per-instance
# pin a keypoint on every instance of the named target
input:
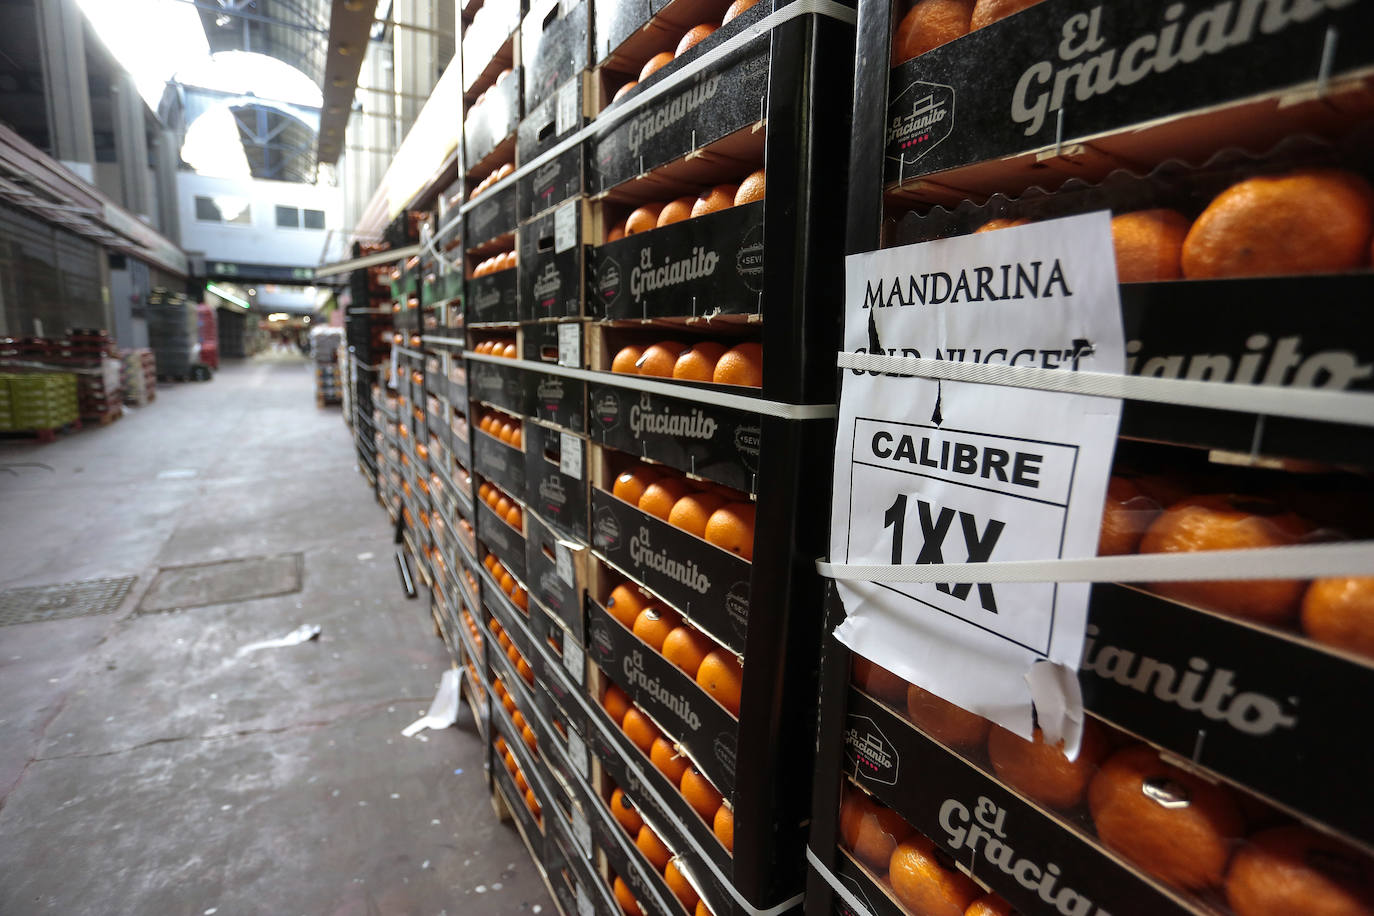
(324, 352)
(40, 402)
(100, 394)
(139, 377)
(173, 334)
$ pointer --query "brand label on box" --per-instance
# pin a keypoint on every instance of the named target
(565, 226)
(947, 472)
(567, 112)
(570, 345)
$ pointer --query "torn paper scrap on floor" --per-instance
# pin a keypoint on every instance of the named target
(443, 712)
(303, 633)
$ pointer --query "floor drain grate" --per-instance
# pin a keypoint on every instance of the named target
(67, 599)
(224, 582)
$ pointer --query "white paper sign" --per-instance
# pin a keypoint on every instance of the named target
(565, 115)
(582, 831)
(584, 903)
(569, 346)
(565, 227)
(573, 659)
(563, 561)
(570, 455)
(952, 472)
(577, 752)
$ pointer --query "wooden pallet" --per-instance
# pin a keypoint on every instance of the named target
(42, 435)
(104, 417)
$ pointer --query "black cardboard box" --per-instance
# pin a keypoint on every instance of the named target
(487, 42)
(500, 463)
(494, 298)
(550, 183)
(501, 539)
(554, 570)
(555, 45)
(491, 123)
(556, 474)
(489, 216)
(553, 262)
(553, 399)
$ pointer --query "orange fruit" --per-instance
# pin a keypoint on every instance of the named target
(532, 803)
(528, 737)
(1041, 771)
(626, 602)
(526, 673)
(627, 359)
(616, 703)
(618, 230)
(686, 648)
(499, 743)
(1340, 612)
(515, 518)
(1127, 514)
(681, 888)
(628, 904)
(510, 352)
(620, 93)
(721, 197)
(508, 704)
(519, 719)
(1001, 222)
(723, 826)
(742, 364)
(623, 810)
(676, 212)
(506, 583)
(661, 495)
(700, 794)
(732, 527)
(631, 483)
(1221, 522)
(1295, 869)
(1149, 245)
(701, 909)
(989, 905)
(943, 721)
(484, 489)
(517, 438)
(698, 362)
(924, 885)
(986, 12)
(693, 511)
(694, 36)
(929, 24)
(520, 598)
(643, 219)
(751, 188)
(654, 64)
(667, 760)
(739, 6)
(721, 677)
(509, 760)
(1306, 221)
(870, 830)
(877, 681)
(654, 624)
(639, 729)
(648, 843)
(1174, 825)
(660, 358)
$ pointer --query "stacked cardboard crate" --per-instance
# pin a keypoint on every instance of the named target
(324, 352)
(139, 376)
(1177, 802)
(39, 402)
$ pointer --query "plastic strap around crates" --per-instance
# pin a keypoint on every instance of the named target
(1271, 400)
(443, 341)
(406, 351)
(700, 395)
(1304, 561)
(828, 8)
(593, 716)
(843, 892)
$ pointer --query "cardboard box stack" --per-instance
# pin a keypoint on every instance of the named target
(1217, 753)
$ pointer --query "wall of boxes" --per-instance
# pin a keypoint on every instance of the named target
(568, 414)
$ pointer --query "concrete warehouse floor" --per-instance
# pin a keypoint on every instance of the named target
(144, 769)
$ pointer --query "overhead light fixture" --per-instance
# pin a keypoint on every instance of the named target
(338, 82)
(345, 49)
(228, 296)
(355, 6)
(252, 291)
(278, 316)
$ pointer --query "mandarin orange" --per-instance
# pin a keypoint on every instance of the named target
(720, 676)
(659, 359)
(700, 794)
(742, 364)
(686, 648)
(732, 528)
(929, 24)
(654, 624)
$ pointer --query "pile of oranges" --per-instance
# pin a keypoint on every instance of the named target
(498, 346)
(495, 264)
(522, 666)
(496, 175)
(694, 36)
(656, 854)
(473, 629)
(503, 426)
(1337, 611)
(1203, 820)
(1299, 222)
(705, 361)
(513, 768)
(467, 534)
(716, 513)
(514, 590)
(516, 716)
(695, 788)
(506, 508)
(720, 197)
(931, 23)
(922, 879)
(715, 669)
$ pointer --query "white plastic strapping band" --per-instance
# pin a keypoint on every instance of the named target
(699, 395)
(840, 890)
(1271, 400)
(1304, 561)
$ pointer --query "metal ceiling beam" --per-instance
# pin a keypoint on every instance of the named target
(350, 25)
(254, 17)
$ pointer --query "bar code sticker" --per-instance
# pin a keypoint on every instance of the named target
(570, 455)
(570, 345)
(565, 227)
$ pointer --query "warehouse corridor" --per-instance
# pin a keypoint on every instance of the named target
(148, 767)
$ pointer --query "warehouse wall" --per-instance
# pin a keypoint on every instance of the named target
(259, 240)
(50, 279)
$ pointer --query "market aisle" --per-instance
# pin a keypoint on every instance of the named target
(145, 769)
